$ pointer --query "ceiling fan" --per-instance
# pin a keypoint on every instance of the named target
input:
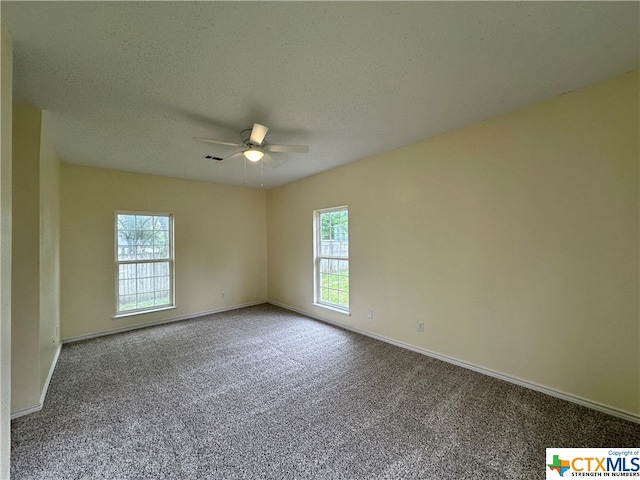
(253, 147)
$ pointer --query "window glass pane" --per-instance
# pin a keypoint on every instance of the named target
(161, 244)
(343, 267)
(332, 257)
(322, 265)
(126, 222)
(127, 302)
(343, 299)
(161, 283)
(127, 287)
(325, 294)
(142, 269)
(334, 234)
(144, 222)
(161, 223)
(143, 284)
(163, 298)
(126, 271)
(144, 300)
(161, 268)
(126, 237)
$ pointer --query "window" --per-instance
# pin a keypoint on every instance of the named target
(332, 258)
(144, 262)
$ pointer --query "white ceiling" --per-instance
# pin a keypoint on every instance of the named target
(126, 85)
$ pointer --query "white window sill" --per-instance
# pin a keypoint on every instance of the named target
(335, 309)
(140, 312)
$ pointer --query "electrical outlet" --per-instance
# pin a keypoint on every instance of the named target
(221, 294)
(421, 326)
(370, 314)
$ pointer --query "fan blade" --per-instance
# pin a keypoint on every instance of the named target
(287, 148)
(258, 132)
(231, 157)
(217, 142)
(269, 161)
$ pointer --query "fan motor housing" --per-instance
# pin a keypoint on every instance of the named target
(245, 135)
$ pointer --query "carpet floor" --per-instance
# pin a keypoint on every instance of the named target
(264, 393)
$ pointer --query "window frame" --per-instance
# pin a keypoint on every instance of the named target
(138, 311)
(318, 257)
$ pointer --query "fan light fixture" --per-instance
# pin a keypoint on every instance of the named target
(253, 147)
(253, 154)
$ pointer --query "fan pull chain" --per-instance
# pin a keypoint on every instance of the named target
(262, 173)
(245, 170)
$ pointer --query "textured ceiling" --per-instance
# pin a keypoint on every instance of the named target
(126, 85)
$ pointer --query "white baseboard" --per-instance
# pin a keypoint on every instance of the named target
(159, 322)
(37, 407)
(26, 411)
(524, 383)
(476, 368)
(45, 388)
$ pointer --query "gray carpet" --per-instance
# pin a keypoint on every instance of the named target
(264, 393)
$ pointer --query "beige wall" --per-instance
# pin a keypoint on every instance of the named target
(49, 253)
(35, 259)
(220, 245)
(25, 325)
(515, 240)
(6, 112)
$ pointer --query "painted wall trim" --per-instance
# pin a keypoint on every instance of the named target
(45, 388)
(476, 368)
(160, 322)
